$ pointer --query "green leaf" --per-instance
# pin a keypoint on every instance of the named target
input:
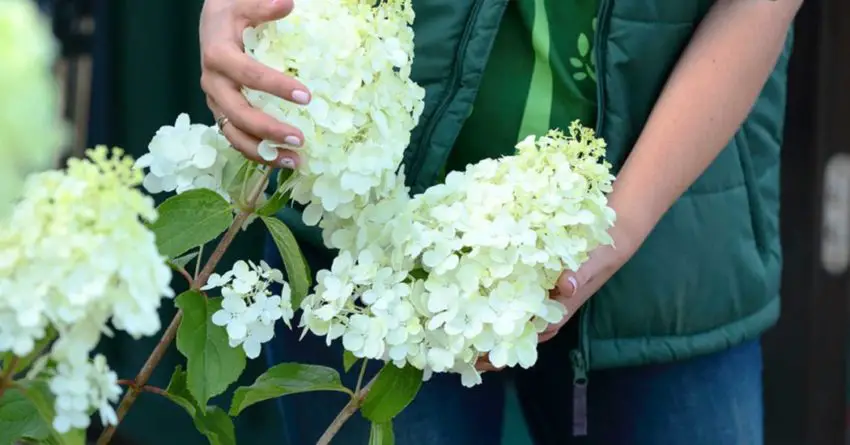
(274, 204)
(281, 195)
(393, 390)
(348, 360)
(27, 412)
(297, 270)
(283, 177)
(285, 379)
(217, 426)
(212, 421)
(190, 220)
(576, 62)
(233, 177)
(74, 437)
(20, 418)
(178, 391)
(583, 44)
(181, 262)
(579, 76)
(211, 364)
(382, 434)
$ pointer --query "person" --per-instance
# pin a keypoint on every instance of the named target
(660, 344)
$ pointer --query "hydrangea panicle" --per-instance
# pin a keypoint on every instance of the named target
(76, 255)
(466, 267)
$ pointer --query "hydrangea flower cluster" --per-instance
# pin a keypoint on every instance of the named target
(80, 387)
(75, 254)
(30, 128)
(465, 269)
(187, 156)
(355, 57)
(249, 310)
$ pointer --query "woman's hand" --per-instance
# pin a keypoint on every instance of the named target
(574, 288)
(225, 69)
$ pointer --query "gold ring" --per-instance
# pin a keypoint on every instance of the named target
(221, 122)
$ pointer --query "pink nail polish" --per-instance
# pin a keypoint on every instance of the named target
(300, 97)
(287, 163)
(573, 281)
(293, 141)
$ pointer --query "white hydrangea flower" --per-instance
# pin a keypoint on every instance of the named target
(75, 255)
(31, 131)
(249, 310)
(185, 157)
(81, 386)
(355, 58)
(464, 269)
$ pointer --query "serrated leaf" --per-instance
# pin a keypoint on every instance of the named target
(217, 426)
(297, 270)
(381, 434)
(274, 204)
(190, 220)
(348, 360)
(20, 418)
(27, 412)
(583, 44)
(211, 364)
(178, 392)
(285, 379)
(212, 421)
(393, 390)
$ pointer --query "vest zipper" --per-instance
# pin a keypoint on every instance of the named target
(580, 356)
(418, 156)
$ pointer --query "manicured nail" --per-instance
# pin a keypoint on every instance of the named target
(287, 163)
(573, 281)
(293, 141)
(301, 97)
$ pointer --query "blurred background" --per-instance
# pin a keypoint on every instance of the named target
(131, 66)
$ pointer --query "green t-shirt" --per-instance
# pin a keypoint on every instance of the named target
(541, 75)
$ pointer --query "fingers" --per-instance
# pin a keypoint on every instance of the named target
(259, 11)
(247, 144)
(229, 61)
(247, 118)
(568, 284)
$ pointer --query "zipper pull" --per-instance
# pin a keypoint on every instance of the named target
(579, 393)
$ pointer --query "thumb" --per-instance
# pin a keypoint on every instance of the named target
(256, 12)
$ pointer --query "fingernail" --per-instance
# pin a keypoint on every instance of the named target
(301, 97)
(293, 141)
(286, 163)
(573, 281)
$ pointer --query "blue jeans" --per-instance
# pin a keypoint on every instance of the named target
(710, 400)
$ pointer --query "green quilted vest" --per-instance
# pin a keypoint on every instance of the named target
(707, 277)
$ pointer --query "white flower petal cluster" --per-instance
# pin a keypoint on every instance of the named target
(249, 310)
(31, 132)
(75, 255)
(187, 156)
(81, 387)
(355, 57)
(465, 268)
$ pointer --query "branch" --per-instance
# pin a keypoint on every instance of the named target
(169, 334)
(8, 374)
(350, 408)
